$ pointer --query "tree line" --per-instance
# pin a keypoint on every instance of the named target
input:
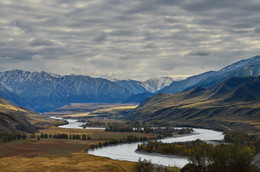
(8, 137)
(181, 149)
(164, 131)
(128, 139)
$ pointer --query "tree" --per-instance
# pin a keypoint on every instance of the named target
(84, 136)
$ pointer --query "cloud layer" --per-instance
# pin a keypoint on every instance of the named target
(127, 39)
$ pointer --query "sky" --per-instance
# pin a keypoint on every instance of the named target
(135, 39)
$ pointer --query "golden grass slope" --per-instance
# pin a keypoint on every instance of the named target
(102, 111)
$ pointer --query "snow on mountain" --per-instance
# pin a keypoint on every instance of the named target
(156, 84)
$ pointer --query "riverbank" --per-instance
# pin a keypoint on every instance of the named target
(160, 155)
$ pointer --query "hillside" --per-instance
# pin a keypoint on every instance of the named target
(14, 118)
(235, 103)
(137, 98)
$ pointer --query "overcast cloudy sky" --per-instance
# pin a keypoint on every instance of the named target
(135, 39)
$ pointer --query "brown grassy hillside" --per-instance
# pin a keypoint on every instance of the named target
(234, 103)
(14, 118)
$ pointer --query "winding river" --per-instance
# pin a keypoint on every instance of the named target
(74, 124)
(126, 151)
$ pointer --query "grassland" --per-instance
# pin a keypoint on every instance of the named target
(86, 108)
(7, 107)
(54, 155)
(102, 112)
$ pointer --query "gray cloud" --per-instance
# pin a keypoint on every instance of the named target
(257, 30)
(127, 39)
(199, 53)
(23, 26)
(40, 42)
(100, 38)
(150, 45)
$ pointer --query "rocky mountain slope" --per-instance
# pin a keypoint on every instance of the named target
(134, 86)
(235, 103)
(43, 91)
(151, 86)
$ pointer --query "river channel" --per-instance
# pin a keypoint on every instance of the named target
(126, 151)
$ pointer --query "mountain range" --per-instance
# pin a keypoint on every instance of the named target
(41, 91)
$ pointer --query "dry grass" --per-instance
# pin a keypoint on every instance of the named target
(10, 107)
(77, 162)
(95, 134)
(201, 104)
(61, 155)
(55, 155)
(101, 111)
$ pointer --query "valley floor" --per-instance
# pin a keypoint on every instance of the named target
(54, 155)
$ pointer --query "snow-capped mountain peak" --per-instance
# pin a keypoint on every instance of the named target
(156, 84)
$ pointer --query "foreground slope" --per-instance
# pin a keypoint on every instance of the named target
(14, 119)
(234, 103)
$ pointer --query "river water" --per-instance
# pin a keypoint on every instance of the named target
(74, 124)
(126, 151)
